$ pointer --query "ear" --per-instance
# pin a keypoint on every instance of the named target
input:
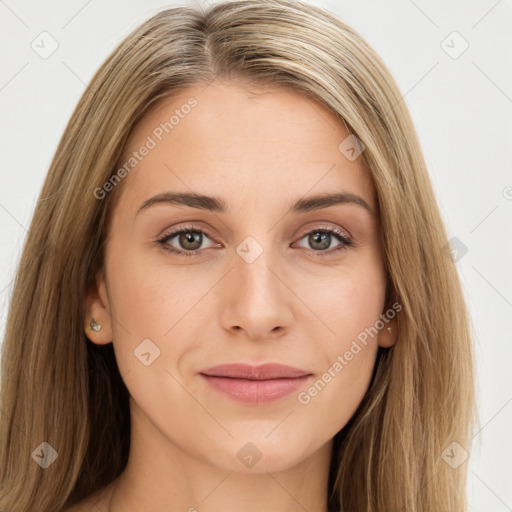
(388, 334)
(97, 308)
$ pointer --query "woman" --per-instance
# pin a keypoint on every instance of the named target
(234, 291)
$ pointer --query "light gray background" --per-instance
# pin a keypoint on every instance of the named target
(462, 111)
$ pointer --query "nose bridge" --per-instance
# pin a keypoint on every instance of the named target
(255, 257)
(257, 299)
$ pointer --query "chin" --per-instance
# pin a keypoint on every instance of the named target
(258, 456)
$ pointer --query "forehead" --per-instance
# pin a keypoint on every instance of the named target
(254, 144)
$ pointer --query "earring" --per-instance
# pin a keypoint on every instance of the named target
(94, 326)
(389, 330)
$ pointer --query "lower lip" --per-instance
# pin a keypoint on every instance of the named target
(256, 391)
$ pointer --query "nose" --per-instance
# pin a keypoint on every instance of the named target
(257, 303)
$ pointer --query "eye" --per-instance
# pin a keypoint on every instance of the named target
(189, 240)
(320, 240)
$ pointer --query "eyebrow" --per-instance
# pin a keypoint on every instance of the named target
(217, 204)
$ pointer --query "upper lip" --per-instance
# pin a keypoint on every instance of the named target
(262, 372)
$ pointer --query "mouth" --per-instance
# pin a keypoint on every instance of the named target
(255, 384)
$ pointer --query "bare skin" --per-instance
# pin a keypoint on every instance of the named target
(296, 304)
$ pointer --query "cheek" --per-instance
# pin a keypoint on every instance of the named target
(347, 301)
(144, 301)
(332, 398)
(347, 358)
(160, 313)
(149, 297)
(349, 305)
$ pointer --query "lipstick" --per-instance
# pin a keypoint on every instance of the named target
(255, 384)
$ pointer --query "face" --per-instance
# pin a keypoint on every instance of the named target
(259, 274)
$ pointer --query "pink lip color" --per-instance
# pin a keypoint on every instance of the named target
(255, 384)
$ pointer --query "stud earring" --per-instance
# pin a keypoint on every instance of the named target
(94, 326)
(389, 330)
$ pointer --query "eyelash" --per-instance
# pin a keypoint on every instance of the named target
(339, 235)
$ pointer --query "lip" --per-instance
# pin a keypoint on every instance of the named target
(261, 372)
(255, 384)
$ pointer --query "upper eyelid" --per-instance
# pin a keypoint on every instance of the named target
(175, 231)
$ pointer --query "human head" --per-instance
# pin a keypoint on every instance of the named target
(256, 288)
(336, 67)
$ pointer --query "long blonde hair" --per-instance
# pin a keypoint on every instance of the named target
(59, 388)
